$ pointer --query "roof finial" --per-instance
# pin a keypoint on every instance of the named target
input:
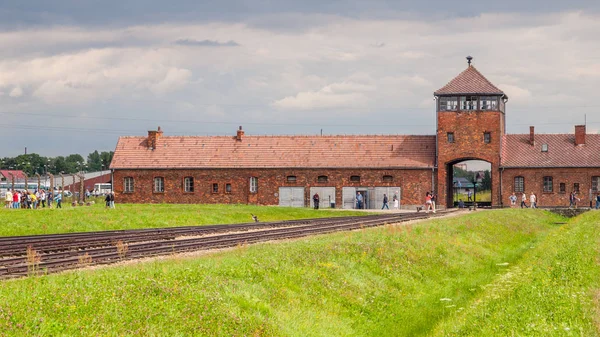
(469, 59)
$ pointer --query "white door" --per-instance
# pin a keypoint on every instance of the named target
(291, 196)
(349, 197)
(377, 196)
(326, 196)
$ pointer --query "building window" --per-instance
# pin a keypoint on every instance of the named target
(188, 184)
(595, 184)
(489, 103)
(215, 188)
(544, 147)
(487, 137)
(468, 102)
(448, 103)
(388, 179)
(159, 184)
(128, 185)
(355, 179)
(548, 184)
(253, 184)
(450, 136)
(562, 188)
(576, 187)
(519, 184)
(227, 188)
(291, 179)
(322, 179)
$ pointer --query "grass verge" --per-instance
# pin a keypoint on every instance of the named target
(130, 216)
(388, 281)
(553, 291)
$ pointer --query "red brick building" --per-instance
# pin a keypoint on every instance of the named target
(289, 170)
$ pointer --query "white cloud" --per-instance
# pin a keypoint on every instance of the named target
(335, 95)
(16, 92)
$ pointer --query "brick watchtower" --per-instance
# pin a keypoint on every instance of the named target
(470, 126)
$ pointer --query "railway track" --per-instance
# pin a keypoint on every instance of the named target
(27, 255)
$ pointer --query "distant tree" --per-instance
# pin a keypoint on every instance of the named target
(486, 183)
(94, 161)
(106, 158)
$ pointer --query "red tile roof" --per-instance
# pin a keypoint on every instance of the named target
(562, 152)
(18, 174)
(276, 152)
(470, 81)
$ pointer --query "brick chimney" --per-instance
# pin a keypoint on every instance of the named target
(240, 134)
(153, 137)
(531, 135)
(579, 134)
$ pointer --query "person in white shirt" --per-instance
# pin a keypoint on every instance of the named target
(9, 199)
(533, 200)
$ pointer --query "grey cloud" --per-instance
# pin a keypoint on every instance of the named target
(206, 43)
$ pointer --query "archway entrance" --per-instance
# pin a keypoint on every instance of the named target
(469, 182)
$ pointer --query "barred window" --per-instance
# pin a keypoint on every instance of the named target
(548, 184)
(519, 184)
(322, 179)
(487, 137)
(188, 184)
(562, 188)
(128, 185)
(291, 179)
(227, 188)
(489, 103)
(355, 179)
(576, 187)
(388, 179)
(215, 188)
(450, 136)
(253, 184)
(448, 103)
(159, 184)
(468, 103)
(595, 184)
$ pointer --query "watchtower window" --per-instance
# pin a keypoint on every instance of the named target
(489, 103)
(448, 103)
(487, 137)
(468, 102)
(450, 136)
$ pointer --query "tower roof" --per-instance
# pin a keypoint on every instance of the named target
(470, 81)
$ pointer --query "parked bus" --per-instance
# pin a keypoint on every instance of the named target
(102, 189)
(20, 186)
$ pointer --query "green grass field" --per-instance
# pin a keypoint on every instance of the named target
(492, 273)
(130, 216)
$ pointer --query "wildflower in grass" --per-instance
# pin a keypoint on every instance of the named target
(445, 299)
(502, 264)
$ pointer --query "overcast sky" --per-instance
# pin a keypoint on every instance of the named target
(75, 75)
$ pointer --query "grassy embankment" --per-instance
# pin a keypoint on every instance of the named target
(130, 216)
(391, 281)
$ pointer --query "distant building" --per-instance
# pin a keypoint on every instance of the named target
(288, 170)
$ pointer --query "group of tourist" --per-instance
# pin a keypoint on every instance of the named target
(31, 199)
(574, 198)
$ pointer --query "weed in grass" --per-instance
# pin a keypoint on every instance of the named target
(33, 261)
(122, 249)
(85, 260)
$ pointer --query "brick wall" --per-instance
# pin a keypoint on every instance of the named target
(414, 184)
(468, 129)
(534, 182)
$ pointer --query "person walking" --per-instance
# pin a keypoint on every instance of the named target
(523, 200)
(9, 199)
(513, 200)
(433, 199)
(43, 198)
(112, 200)
(469, 195)
(107, 200)
(427, 202)
(316, 201)
(572, 199)
(396, 202)
(533, 200)
(16, 199)
(58, 199)
(359, 201)
(598, 201)
(385, 202)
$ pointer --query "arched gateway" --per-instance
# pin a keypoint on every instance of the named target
(470, 125)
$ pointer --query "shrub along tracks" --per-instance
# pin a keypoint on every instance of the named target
(26, 255)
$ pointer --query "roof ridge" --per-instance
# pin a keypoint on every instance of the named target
(467, 82)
